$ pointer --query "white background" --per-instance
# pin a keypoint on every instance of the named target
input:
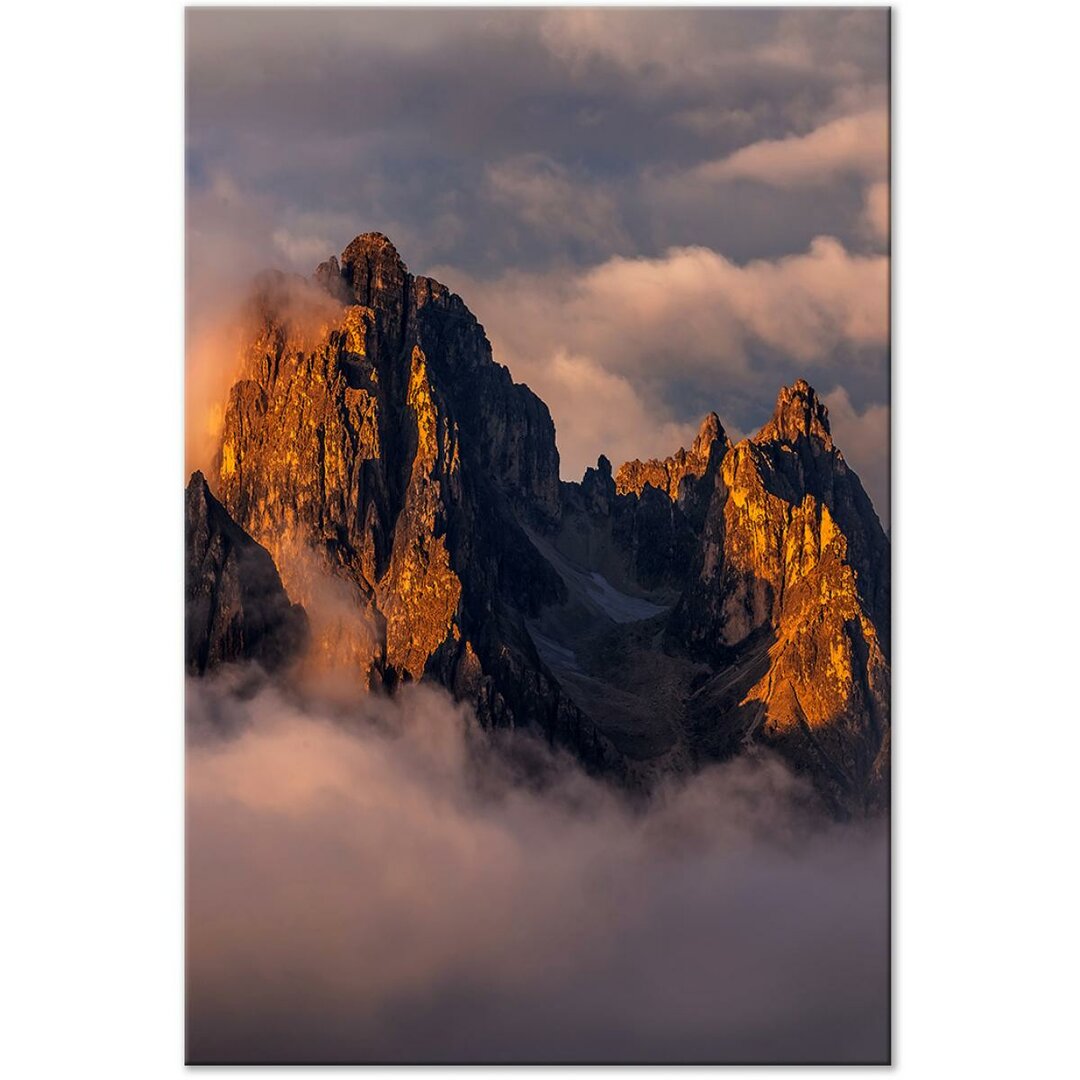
(986, 410)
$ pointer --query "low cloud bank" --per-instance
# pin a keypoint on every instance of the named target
(373, 884)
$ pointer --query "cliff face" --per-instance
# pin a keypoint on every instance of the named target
(793, 559)
(654, 619)
(379, 453)
(235, 605)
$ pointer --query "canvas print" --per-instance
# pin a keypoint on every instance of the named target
(536, 522)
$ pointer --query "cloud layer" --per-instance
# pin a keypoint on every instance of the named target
(376, 119)
(373, 886)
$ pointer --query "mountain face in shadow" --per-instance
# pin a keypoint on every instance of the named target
(649, 620)
(236, 607)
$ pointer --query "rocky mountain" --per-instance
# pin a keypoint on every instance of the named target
(671, 614)
(667, 475)
(790, 590)
(236, 607)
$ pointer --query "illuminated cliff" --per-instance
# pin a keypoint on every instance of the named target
(793, 562)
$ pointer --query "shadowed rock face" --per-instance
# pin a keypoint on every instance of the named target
(236, 606)
(672, 614)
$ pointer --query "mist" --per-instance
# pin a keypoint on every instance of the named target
(379, 883)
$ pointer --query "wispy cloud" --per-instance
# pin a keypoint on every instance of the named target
(856, 145)
(876, 210)
(546, 197)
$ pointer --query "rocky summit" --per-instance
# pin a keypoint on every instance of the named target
(380, 469)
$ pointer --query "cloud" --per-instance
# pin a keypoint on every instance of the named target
(856, 145)
(298, 248)
(377, 118)
(632, 41)
(599, 408)
(377, 885)
(214, 356)
(701, 46)
(546, 198)
(876, 210)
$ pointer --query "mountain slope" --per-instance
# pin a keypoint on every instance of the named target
(793, 555)
(651, 620)
(373, 444)
(236, 608)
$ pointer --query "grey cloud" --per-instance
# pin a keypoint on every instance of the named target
(661, 48)
(876, 211)
(372, 885)
(549, 200)
(396, 119)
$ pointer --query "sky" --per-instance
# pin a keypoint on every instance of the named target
(654, 214)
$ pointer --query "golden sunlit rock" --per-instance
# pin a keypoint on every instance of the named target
(420, 593)
(667, 475)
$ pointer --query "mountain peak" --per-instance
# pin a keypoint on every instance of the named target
(667, 474)
(372, 247)
(709, 432)
(370, 273)
(799, 413)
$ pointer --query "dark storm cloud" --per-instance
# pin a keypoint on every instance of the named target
(552, 143)
(355, 895)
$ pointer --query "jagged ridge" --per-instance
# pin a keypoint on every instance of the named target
(654, 619)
